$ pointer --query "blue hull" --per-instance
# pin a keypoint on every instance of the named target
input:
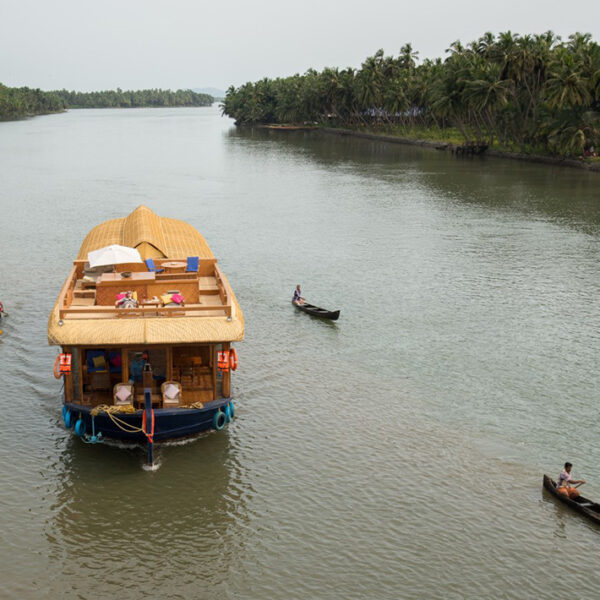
(169, 424)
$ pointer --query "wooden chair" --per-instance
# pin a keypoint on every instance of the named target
(100, 381)
(171, 399)
(123, 394)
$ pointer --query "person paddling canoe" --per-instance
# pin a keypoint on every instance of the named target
(298, 299)
(566, 482)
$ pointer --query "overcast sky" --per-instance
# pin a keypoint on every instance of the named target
(135, 44)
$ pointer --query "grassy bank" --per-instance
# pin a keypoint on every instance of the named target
(450, 139)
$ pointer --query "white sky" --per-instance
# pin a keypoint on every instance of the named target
(135, 44)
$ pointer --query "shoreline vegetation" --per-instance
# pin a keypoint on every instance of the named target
(534, 97)
(18, 103)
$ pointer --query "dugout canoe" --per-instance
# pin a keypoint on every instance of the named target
(582, 505)
(315, 311)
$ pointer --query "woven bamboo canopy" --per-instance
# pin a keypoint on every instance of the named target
(154, 237)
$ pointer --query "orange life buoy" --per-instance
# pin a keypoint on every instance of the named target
(57, 373)
(223, 360)
(233, 359)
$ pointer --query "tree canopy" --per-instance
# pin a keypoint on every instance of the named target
(530, 91)
(16, 103)
(19, 102)
(134, 99)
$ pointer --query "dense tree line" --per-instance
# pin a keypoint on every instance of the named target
(16, 103)
(134, 99)
(532, 92)
(21, 102)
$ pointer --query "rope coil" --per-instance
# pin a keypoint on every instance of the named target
(111, 412)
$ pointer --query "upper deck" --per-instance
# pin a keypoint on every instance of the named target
(91, 294)
(85, 311)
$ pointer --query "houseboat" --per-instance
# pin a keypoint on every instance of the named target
(145, 322)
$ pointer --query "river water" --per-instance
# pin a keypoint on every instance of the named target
(397, 453)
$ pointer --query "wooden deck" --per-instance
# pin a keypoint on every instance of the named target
(205, 292)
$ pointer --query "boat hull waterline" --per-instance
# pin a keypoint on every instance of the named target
(170, 424)
(315, 311)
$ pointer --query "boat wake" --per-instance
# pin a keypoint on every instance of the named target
(155, 467)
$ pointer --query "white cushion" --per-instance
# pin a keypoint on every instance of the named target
(123, 394)
(171, 391)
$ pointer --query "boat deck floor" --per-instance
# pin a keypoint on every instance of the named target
(128, 313)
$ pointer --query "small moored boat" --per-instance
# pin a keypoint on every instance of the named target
(581, 505)
(315, 311)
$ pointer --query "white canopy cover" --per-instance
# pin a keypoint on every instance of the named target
(113, 255)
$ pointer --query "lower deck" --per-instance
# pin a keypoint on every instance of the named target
(177, 376)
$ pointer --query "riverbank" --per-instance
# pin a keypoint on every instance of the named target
(29, 115)
(451, 147)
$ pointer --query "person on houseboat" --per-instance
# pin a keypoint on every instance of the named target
(127, 301)
(298, 299)
(136, 367)
(566, 482)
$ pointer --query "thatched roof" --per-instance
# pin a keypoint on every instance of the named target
(154, 237)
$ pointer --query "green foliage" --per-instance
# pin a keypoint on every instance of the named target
(509, 91)
(16, 103)
(134, 99)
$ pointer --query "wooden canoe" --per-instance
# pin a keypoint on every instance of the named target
(315, 311)
(581, 505)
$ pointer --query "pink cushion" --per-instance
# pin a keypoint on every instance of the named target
(115, 361)
(171, 391)
(121, 295)
(123, 394)
(177, 298)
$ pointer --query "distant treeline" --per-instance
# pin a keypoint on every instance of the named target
(134, 99)
(21, 102)
(532, 92)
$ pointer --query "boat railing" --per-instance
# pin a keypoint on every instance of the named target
(66, 294)
(142, 311)
(66, 308)
(223, 289)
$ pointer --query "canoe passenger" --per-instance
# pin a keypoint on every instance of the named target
(566, 481)
(298, 299)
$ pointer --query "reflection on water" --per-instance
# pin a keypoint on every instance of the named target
(568, 196)
(401, 448)
(109, 515)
